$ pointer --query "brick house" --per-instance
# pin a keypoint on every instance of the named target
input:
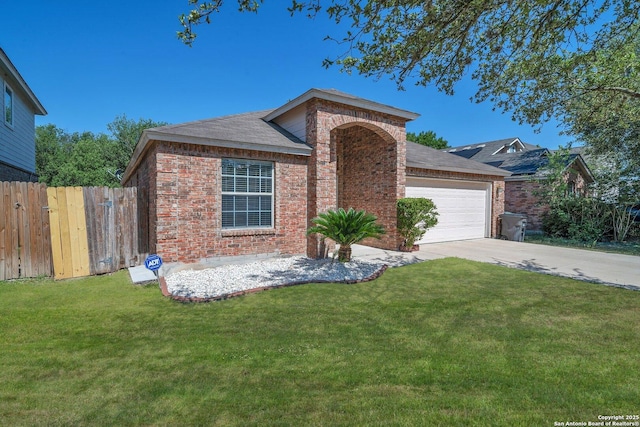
(19, 106)
(526, 163)
(250, 184)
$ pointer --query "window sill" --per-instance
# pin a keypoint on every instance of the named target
(248, 232)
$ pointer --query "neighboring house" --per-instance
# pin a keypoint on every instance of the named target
(17, 130)
(251, 183)
(526, 163)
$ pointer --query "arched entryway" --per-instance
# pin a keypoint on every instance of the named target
(366, 159)
(358, 160)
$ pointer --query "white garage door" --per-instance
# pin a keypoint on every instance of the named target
(464, 207)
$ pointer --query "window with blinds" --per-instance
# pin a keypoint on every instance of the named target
(247, 194)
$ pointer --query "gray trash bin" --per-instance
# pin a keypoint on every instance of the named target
(513, 226)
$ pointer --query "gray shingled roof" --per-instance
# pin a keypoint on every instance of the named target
(529, 162)
(483, 151)
(254, 131)
(423, 157)
(533, 163)
(247, 130)
(343, 98)
(522, 163)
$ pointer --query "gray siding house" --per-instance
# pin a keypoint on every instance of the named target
(19, 106)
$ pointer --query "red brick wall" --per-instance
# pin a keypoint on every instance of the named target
(497, 194)
(366, 174)
(520, 197)
(187, 226)
(145, 179)
(322, 118)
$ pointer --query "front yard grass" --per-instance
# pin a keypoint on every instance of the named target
(626, 248)
(445, 342)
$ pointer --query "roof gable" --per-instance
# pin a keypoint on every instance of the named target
(533, 163)
(341, 98)
(514, 146)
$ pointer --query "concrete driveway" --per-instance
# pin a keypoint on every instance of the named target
(592, 266)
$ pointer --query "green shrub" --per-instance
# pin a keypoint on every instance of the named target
(634, 231)
(415, 217)
(577, 218)
(346, 228)
(556, 222)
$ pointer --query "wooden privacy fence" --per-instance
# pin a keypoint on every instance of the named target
(25, 239)
(66, 231)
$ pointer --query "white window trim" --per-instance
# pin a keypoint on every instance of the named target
(235, 193)
(6, 86)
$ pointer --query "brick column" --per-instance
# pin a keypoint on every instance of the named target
(321, 175)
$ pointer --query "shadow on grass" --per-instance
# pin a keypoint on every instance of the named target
(396, 259)
(532, 265)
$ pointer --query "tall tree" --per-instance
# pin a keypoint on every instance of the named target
(428, 138)
(70, 159)
(617, 183)
(600, 104)
(573, 60)
(51, 151)
(87, 159)
(126, 132)
(89, 162)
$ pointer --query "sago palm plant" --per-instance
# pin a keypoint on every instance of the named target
(346, 228)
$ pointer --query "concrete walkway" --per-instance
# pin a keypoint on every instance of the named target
(613, 269)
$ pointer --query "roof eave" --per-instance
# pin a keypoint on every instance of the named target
(523, 177)
(37, 105)
(335, 97)
(497, 172)
(585, 168)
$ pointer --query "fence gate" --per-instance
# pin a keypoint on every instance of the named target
(68, 232)
(25, 245)
(112, 228)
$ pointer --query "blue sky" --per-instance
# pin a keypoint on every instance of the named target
(89, 62)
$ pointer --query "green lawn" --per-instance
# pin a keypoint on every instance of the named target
(445, 342)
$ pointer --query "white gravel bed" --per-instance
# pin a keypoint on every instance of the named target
(227, 279)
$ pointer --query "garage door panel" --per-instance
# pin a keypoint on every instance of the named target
(462, 207)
